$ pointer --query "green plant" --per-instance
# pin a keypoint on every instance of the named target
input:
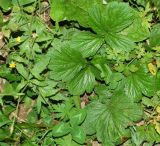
(80, 71)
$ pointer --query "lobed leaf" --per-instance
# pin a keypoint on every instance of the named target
(84, 81)
(87, 43)
(111, 119)
(66, 63)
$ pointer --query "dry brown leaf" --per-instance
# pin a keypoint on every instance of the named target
(95, 143)
(23, 112)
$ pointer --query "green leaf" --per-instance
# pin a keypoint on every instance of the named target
(6, 5)
(151, 102)
(40, 66)
(21, 70)
(138, 83)
(113, 17)
(142, 2)
(57, 10)
(32, 117)
(157, 4)
(114, 80)
(111, 119)
(87, 43)
(38, 83)
(18, 58)
(4, 134)
(155, 36)
(77, 101)
(1, 101)
(139, 30)
(8, 90)
(4, 120)
(78, 117)
(72, 10)
(5, 72)
(63, 110)
(84, 81)
(60, 129)
(94, 110)
(39, 102)
(4, 144)
(1, 19)
(43, 36)
(102, 91)
(101, 64)
(119, 42)
(58, 97)
(48, 141)
(27, 143)
(66, 141)
(78, 134)
(29, 9)
(21, 85)
(22, 2)
(86, 5)
(144, 133)
(66, 63)
(47, 91)
(109, 20)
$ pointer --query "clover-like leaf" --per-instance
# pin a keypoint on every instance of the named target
(66, 141)
(60, 129)
(77, 117)
(111, 119)
(78, 134)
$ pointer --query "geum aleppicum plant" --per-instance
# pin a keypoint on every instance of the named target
(118, 26)
(103, 55)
